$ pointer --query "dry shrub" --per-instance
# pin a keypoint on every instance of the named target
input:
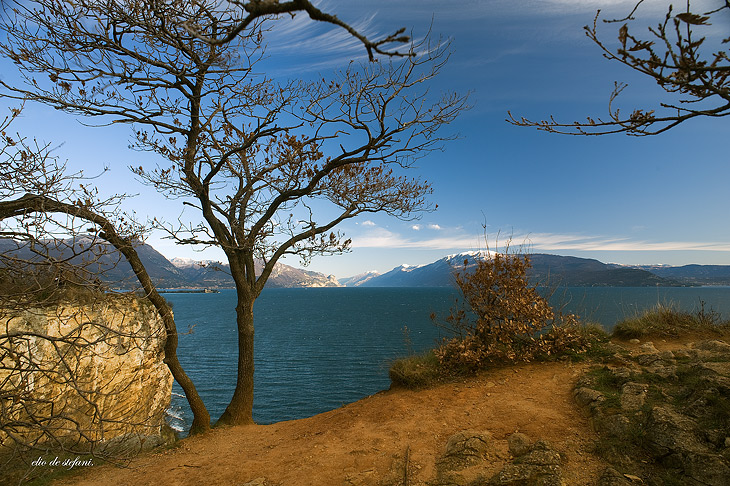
(502, 318)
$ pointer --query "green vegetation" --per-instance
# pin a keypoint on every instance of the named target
(666, 321)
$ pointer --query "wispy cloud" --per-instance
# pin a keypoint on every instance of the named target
(311, 46)
(367, 222)
(458, 240)
(383, 238)
(556, 242)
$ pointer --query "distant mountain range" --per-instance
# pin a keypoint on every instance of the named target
(692, 274)
(552, 270)
(179, 273)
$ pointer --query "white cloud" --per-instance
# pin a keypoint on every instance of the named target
(379, 238)
(550, 242)
(536, 242)
(367, 222)
(434, 226)
(382, 238)
(416, 227)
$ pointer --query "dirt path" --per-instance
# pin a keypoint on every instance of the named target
(364, 442)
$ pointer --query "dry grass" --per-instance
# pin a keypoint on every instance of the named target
(666, 321)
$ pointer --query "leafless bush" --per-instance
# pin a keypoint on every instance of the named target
(502, 318)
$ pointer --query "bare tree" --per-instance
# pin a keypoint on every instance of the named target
(684, 54)
(253, 156)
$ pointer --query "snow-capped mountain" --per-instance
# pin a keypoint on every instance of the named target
(211, 273)
(436, 274)
(189, 262)
(359, 279)
(552, 270)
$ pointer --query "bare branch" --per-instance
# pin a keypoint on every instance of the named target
(257, 9)
(676, 58)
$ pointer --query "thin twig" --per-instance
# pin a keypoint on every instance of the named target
(405, 466)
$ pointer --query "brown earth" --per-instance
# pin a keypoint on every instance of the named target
(365, 443)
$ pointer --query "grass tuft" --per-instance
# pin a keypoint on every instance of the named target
(417, 371)
(666, 321)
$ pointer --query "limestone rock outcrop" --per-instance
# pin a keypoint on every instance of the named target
(663, 415)
(470, 458)
(84, 374)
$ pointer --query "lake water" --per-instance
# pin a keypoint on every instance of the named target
(319, 348)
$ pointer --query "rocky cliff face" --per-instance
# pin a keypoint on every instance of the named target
(75, 374)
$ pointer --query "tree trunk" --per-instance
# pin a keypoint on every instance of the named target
(240, 409)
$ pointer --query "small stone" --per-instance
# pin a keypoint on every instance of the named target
(256, 482)
(527, 474)
(519, 444)
(727, 441)
(616, 425)
(541, 454)
(634, 341)
(621, 373)
(648, 348)
(540, 466)
(611, 477)
(649, 359)
(663, 371)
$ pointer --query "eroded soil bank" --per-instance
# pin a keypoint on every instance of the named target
(366, 442)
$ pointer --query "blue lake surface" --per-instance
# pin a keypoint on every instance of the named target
(319, 348)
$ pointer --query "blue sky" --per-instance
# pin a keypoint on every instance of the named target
(661, 199)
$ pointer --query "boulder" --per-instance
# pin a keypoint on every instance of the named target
(589, 398)
(465, 449)
(669, 432)
(615, 425)
(114, 387)
(539, 467)
(633, 395)
(648, 348)
(519, 444)
(649, 359)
